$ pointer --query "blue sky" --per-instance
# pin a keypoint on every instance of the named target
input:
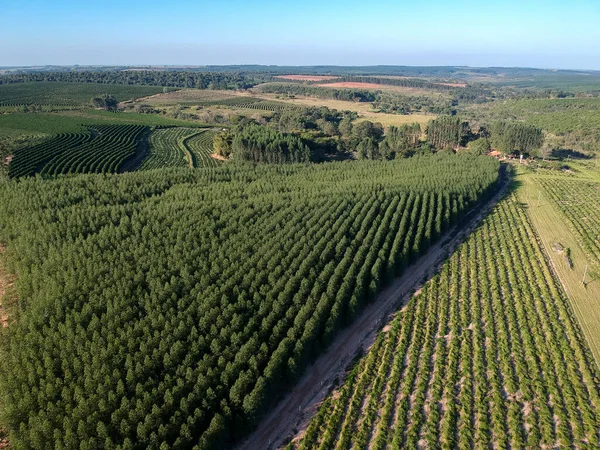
(547, 34)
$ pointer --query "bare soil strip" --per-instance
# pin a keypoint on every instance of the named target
(307, 77)
(142, 150)
(6, 281)
(291, 415)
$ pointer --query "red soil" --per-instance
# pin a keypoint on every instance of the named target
(354, 84)
(306, 77)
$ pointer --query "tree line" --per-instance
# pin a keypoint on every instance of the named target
(318, 134)
(179, 79)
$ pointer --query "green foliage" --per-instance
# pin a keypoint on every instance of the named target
(578, 200)
(201, 147)
(68, 94)
(169, 308)
(367, 129)
(293, 89)
(400, 141)
(575, 121)
(368, 149)
(479, 146)
(252, 103)
(106, 148)
(488, 354)
(447, 131)
(102, 149)
(167, 148)
(14, 125)
(179, 79)
(262, 144)
(222, 143)
(512, 136)
(107, 102)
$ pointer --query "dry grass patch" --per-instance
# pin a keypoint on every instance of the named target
(186, 96)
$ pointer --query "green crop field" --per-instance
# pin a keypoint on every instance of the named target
(38, 124)
(253, 103)
(580, 203)
(69, 94)
(200, 146)
(180, 147)
(167, 148)
(105, 148)
(478, 359)
(102, 149)
(170, 306)
(240, 262)
(188, 97)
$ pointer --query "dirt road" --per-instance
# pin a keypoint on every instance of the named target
(292, 413)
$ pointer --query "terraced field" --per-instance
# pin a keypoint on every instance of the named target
(105, 152)
(104, 148)
(253, 103)
(180, 147)
(167, 148)
(478, 359)
(200, 146)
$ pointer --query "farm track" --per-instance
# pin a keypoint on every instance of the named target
(142, 151)
(292, 413)
(553, 225)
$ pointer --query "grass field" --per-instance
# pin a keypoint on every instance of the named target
(406, 90)
(487, 355)
(186, 97)
(553, 228)
(68, 94)
(364, 110)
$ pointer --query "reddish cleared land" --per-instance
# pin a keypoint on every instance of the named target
(355, 84)
(306, 77)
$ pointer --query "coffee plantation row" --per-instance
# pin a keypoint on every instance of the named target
(489, 354)
(180, 147)
(68, 94)
(107, 148)
(169, 308)
(579, 201)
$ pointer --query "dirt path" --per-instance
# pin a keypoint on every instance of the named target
(553, 227)
(292, 413)
(6, 282)
(142, 150)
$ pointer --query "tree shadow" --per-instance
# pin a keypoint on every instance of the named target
(564, 153)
